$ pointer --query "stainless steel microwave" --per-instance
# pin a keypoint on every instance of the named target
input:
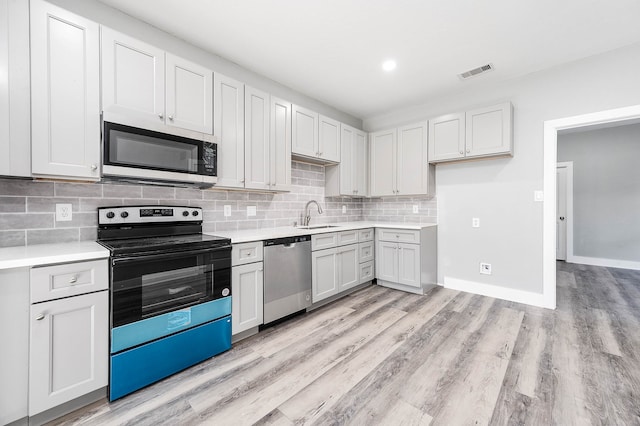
(134, 154)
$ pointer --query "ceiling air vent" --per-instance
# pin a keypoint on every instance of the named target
(476, 71)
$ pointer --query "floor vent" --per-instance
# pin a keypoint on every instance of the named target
(476, 71)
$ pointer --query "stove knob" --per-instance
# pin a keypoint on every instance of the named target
(185, 213)
(195, 213)
(124, 215)
(111, 215)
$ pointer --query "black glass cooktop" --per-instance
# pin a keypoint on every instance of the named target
(174, 243)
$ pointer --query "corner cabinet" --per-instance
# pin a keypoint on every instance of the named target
(481, 132)
(247, 286)
(65, 93)
(349, 178)
(399, 163)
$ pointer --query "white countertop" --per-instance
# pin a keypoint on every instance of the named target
(248, 235)
(45, 254)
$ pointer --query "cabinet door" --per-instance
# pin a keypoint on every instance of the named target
(65, 102)
(15, 115)
(412, 160)
(324, 274)
(256, 139)
(133, 79)
(360, 164)
(189, 95)
(304, 132)
(488, 130)
(247, 289)
(446, 137)
(69, 349)
(383, 163)
(280, 144)
(409, 264)
(228, 126)
(348, 267)
(347, 172)
(387, 261)
(328, 139)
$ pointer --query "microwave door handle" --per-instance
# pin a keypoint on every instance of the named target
(152, 257)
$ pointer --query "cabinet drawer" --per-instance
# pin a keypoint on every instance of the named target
(399, 235)
(70, 279)
(246, 253)
(366, 271)
(365, 235)
(347, 237)
(323, 241)
(366, 251)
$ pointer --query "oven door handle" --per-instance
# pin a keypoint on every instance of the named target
(173, 255)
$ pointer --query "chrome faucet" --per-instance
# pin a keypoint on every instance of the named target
(307, 214)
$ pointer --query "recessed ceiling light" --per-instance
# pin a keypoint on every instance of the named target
(389, 65)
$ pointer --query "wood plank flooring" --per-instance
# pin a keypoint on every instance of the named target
(384, 357)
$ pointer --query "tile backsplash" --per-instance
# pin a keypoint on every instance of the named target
(27, 208)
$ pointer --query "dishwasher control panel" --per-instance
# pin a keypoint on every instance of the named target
(287, 240)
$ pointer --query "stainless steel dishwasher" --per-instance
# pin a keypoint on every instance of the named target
(287, 276)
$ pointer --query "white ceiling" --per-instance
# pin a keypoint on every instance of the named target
(332, 50)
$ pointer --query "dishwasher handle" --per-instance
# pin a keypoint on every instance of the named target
(287, 241)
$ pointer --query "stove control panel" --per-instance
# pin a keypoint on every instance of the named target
(148, 214)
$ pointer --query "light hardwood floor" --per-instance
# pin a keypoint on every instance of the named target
(384, 357)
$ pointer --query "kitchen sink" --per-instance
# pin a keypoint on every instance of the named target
(318, 226)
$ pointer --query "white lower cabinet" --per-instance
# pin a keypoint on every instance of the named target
(247, 293)
(409, 264)
(324, 270)
(348, 267)
(69, 351)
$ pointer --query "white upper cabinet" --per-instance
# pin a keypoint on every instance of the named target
(189, 95)
(383, 163)
(15, 116)
(228, 126)
(65, 104)
(256, 142)
(133, 77)
(280, 147)
(360, 164)
(482, 132)
(349, 178)
(328, 139)
(304, 137)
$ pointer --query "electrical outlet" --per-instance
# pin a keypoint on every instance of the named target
(227, 210)
(416, 208)
(538, 196)
(485, 268)
(475, 222)
(251, 210)
(63, 212)
(344, 209)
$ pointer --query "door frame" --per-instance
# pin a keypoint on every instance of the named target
(569, 214)
(550, 159)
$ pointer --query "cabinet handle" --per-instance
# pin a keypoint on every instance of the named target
(259, 270)
(171, 117)
(73, 279)
(161, 116)
(94, 167)
(461, 152)
(242, 181)
(40, 317)
(468, 151)
(274, 184)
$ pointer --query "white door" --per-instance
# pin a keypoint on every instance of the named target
(256, 139)
(412, 160)
(304, 132)
(324, 274)
(133, 77)
(348, 267)
(280, 144)
(347, 172)
(488, 130)
(383, 163)
(360, 163)
(247, 289)
(328, 139)
(561, 212)
(68, 349)
(228, 126)
(446, 137)
(387, 261)
(189, 95)
(65, 89)
(409, 264)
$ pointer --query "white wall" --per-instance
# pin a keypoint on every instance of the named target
(500, 191)
(119, 21)
(606, 191)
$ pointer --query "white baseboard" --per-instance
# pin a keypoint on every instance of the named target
(512, 295)
(609, 263)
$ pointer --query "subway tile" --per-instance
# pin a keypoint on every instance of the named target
(183, 203)
(15, 221)
(139, 202)
(89, 233)
(12, 238)
(63, 189)
(227, 226)
(121, 191)
(47, 236)
(205, 204)
(26, 187)
(188, 194)
(212, 194)
(208, 227)
(79, 220)
(158, 192)
(13, 204)
(92, 204)
(48, 204)
(237, 196)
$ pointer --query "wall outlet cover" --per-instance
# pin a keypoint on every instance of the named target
(538, 196)
(227, 210)
(63, 212)
(485, 268)
(416, 208)
(251, 210)
(475, 222)
(344, 209)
